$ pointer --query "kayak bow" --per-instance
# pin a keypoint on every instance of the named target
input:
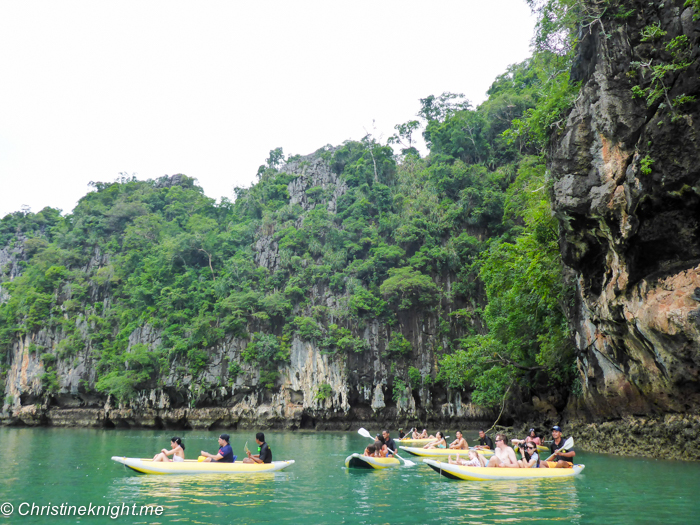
(370, 462)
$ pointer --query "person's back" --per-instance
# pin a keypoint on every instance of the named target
(265, 453)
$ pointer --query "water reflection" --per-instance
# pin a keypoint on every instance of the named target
(506, 501)
(73, 465)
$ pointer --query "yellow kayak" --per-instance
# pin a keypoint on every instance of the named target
(191, 466)
(417, 442)
(443, 452)
(493, 473)
(369, 462)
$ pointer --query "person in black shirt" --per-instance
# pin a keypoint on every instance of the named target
(401, 433)
(264, 454)
(561, 459)
(485, 442)
(390, 444)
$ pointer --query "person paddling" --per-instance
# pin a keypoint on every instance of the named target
(561, 459)
(390, 444)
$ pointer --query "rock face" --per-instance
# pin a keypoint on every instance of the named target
(314, 390)
(627, 190)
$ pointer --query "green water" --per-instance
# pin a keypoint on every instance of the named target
(52, 466)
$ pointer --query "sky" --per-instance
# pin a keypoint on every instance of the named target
(91, 90)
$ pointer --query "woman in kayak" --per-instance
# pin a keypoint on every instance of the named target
(532, 437)
(177, 452)
(381, 451)
(531, 459)
(370, 451)
(475, 460)
(439, 441)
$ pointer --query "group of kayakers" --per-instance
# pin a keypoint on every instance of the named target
(504, 455)
(383, 446)
(224, 455)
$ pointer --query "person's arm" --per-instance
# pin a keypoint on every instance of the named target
(570, 454)
(213, 457)
(255, 458)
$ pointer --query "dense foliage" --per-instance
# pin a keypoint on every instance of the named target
(464, 234)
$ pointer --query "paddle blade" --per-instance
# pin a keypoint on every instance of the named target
(569, 443)
(408, 463)
(364, 433)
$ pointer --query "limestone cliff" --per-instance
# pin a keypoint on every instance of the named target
(313, 390)
(626, 187)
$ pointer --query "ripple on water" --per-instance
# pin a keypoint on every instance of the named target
(318, 489)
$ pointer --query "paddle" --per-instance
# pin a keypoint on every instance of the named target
(365, 433)
(569, 443)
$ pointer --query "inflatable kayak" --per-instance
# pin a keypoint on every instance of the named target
(190, 466)
(416, 442)
(493, 473)
(443, 452)
(360, 461)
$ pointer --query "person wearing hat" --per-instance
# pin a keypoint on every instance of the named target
(561, 459)
(225, 454)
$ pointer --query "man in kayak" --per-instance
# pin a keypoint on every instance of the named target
(225, 454)
(264, 454)
(390, 444)
(485, 442)
(561, 459)
(503, 455)
(460, 443)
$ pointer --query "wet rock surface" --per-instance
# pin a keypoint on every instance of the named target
(626, 186)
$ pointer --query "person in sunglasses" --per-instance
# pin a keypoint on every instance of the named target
(531, 459)
(503, 456)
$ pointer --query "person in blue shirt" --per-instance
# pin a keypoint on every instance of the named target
(225, 454)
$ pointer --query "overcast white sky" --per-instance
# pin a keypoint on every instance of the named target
(91, 89)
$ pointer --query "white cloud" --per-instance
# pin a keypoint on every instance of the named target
(91, 89)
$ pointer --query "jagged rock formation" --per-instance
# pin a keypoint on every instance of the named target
(627, 191)
(359, 383)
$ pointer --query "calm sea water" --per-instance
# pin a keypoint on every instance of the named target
(48, 466)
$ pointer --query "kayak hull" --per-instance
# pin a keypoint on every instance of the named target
(443, 452)
(500, 474)
(190, 466)
(367, 462)
(414, 442)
